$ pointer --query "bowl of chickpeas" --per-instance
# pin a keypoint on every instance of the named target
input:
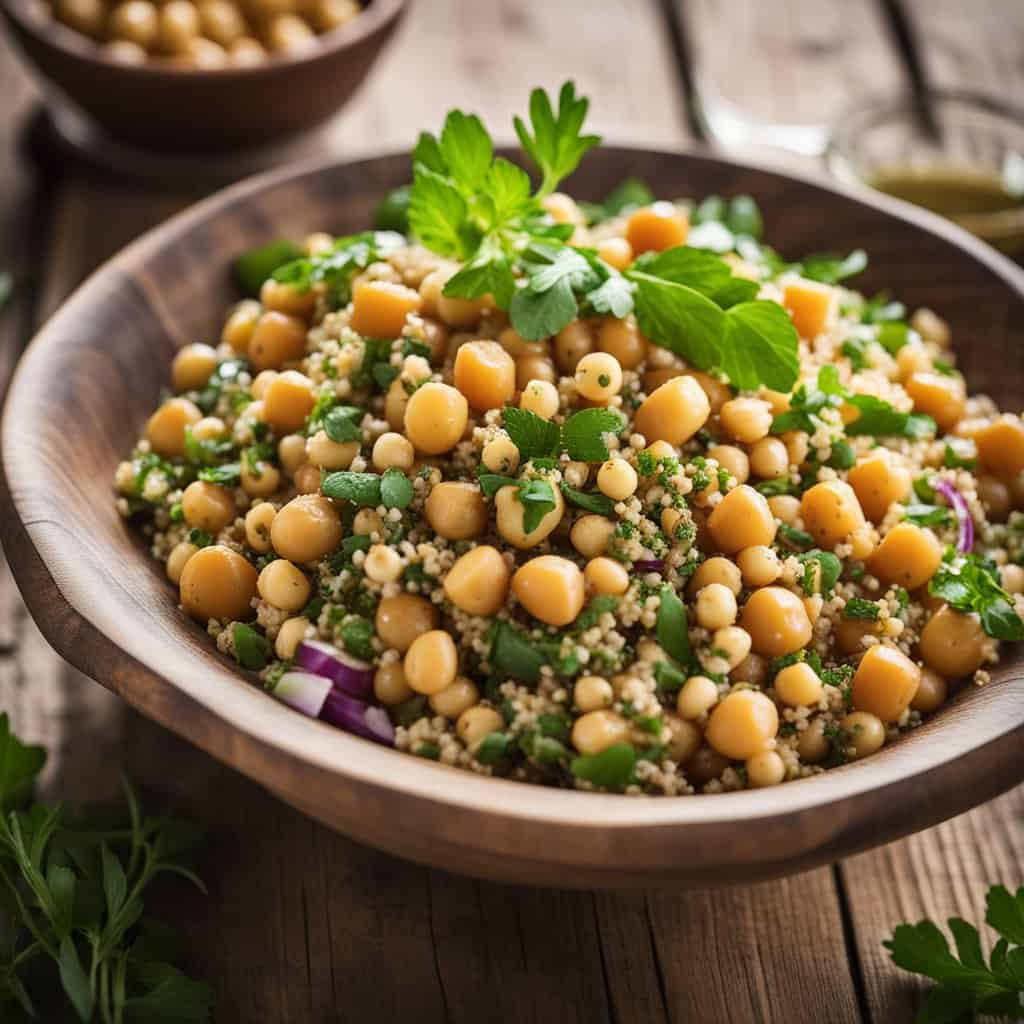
(292, 526)
(202, 75)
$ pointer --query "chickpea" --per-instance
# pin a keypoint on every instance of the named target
(289, 636)
(938, 395)
(218, 583)
(390, 686)
(533, 367)
(276, 339)
(684, 739)
(746, 419)
(742, 724)
(912, 358)
(733, 460)
(540, 397)
(797, 446)
(207, 506)
(287, 401)
(260, 480)
(286, 298)
(622, 340)
(1012, 578)
(769, 458)
(798, 685)
(510, 518)
(456, 511)
(995, 497)
(485, 373)
(136, 21)
(474, 725)
(165, 429)
(813, 745)
(598, 377)
(654, 377)
(179, 25)
(741, 520)
(878, 480)
(383, 564)
(952, 643)
(501, 455)
(785, 508)
(322, 452)
(866, 733)
(478, 581)
(85, 16)
(454, 699)
(908, 556)
(697, 696)
(718, 392)
(550, 588)
(656, 227)
(571, 344)
(716, 606)
(674, 412)
(705, 765)
(177, 559)
(516, 345)
(760, 565)
(661, 450)
(209, 428)
(247, 52)
(258, 521)
(617, 253)
(591, 534)
(240, 325)
(850, 633)
(831, 512)
(392, 451)
(733, 643)
(563, 209)
(598, 730)
(403, 618)
(395, 402)
(765, 769)
(222, 22)
(592, 693)
(125, 52)
(617, 479)
(284, 585)
(431, 662)
(307, 479)
(885, 682)
(777, 622)
(436, 418)
(717, 570)
(606, 576)
(931, 693)
(261, 383)
(1001, 447)
(306, 529)
(380, 308)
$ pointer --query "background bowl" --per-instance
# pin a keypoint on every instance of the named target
(163, 108)
(89, 379)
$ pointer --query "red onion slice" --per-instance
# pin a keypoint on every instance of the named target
(958, 503)
(353, 676)
(304, 691)
(359, 718)
(649, 565)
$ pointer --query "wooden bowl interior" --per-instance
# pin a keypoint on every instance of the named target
(89, 381)
(175, 110)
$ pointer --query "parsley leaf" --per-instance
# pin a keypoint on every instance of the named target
(511, 653)
(341, 424)
(252, 649)
(969, 583)
(547, 302)
(590, 501)
(611, 769)
(491, 483)
(859, 608)
(671, 627)
(583, 434)
(534, 436)
(337, 266)
(829, 569)
(538, 499)
(757, 346)
(831, 269)
(880, 419)
(929, 515)
(556, 145)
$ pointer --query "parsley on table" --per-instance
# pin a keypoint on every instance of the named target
(967, 986)
(970, 583)
(73, 893)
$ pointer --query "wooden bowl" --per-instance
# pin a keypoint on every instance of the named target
(158, 107)
(96, 369)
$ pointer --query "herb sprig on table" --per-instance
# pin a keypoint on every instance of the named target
(967, 985)
(72, 916)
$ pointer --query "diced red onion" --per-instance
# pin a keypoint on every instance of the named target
(319, 697)
(958, 503)
(304, 691)
(649, 565)
(357, 717)
(353, 676)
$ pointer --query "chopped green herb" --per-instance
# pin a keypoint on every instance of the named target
(793, 537)
(960, 454)
(431, 751)
(590, 501)
(970, 583)
(338, 265)
(396, 489)
(671, 627)
(929, 515)
(538, 499)
(512, 654)
(362, 489)
(493, 747)
(357, 637)
(393, 212)
(583, 434)
(831, 269)
(252, 649)
(254, 267)
(341, 424)
(824, 578)
(199, 537)
(611, 769)
(859, 608)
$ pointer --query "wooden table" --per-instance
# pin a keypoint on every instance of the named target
(305, 926)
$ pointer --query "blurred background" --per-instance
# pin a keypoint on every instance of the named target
(114, 116)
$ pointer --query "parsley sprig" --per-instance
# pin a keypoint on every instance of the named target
(970, 583)
(72, 916)
(967, 985)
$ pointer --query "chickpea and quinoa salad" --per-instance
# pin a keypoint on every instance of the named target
(606, 496)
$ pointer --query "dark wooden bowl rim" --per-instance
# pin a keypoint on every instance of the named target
(489, 827)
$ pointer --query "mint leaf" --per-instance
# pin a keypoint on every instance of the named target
(396, 489)
(534, 436)
(590, 501)
(252, 649)
(759, 346)
(556, 145)
(538, 499)
(341, 424)
(672, 628)
(611, 769)
(583, 434)
(362, 489)
(19, 766)
(254, 267)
